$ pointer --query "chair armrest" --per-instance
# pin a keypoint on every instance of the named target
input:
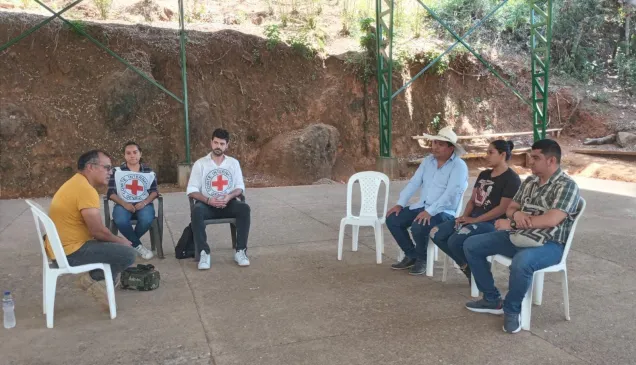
(160, 208)
(106, 211)
(160, 214)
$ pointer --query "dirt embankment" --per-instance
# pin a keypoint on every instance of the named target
(60, 96)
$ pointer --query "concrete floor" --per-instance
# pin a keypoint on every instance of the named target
(296, 304)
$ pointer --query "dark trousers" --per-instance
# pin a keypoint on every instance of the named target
(117, 255)
(234, 209)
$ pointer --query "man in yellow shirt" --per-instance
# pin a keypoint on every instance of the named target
(75, 212)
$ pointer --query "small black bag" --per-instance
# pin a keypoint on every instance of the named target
(185, 246)
(142, 277)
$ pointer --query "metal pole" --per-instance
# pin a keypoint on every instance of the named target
(184, 77)
(384, 72)
(540, 41)
(547, 69)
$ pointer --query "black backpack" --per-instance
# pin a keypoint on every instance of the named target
(185, 246)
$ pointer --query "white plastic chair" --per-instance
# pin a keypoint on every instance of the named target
(51, 273)
(536, 286)
(370, 182)
(432, 253)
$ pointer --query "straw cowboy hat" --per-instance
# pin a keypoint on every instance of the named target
(446, 134)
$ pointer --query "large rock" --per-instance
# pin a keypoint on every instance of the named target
(12, 120)
(122, 94)
(626, 139)
(302, 156)
(325, 181)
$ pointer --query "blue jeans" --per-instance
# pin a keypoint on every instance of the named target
(525, 261)
(398, 225)
(451, 240)
(144, 218)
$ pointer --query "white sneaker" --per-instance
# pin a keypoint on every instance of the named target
(145, 253)
(241, 258)
(204, 261)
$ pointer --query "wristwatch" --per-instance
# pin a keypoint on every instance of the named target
(513, 224)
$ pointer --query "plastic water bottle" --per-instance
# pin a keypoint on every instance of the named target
(8, 306)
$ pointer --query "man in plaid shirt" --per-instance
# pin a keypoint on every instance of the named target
(540, 218)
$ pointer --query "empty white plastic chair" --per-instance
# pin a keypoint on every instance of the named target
(536, 286)
(370, 182)
(50, 273)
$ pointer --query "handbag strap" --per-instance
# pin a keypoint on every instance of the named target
(534, 190)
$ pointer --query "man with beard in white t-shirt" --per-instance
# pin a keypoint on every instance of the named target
(215, 183)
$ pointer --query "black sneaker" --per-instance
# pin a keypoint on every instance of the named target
(419, 268)
(484, 306)
(404, 264)
(512, 323)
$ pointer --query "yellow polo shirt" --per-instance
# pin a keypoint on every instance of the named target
(66, 212)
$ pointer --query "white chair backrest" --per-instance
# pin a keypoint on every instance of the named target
(568, 244)
(51, 233)
(460, 207)
(370, 182)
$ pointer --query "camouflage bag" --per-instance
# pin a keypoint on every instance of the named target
(142, 277)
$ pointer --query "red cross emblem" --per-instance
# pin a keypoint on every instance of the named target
(219, 183)
(134, 187)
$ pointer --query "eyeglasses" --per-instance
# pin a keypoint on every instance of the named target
(107, 167)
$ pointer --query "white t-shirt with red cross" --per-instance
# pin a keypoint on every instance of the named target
(211, 179)
(132, 186)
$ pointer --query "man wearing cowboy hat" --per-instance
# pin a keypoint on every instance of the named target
(441, 179)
